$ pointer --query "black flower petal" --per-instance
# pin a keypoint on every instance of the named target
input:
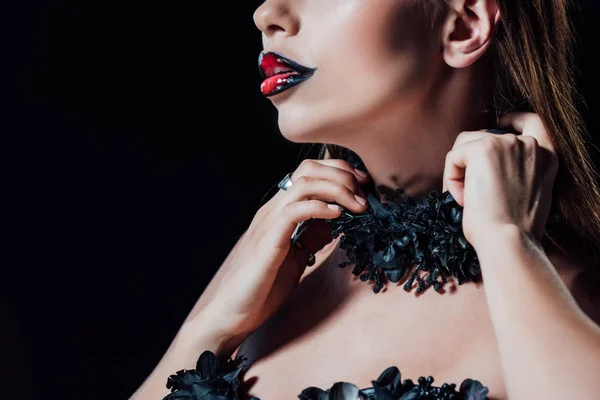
(343, 391)
(218, 381)
(473, 390)
(388, 387)
(388, 383)
(313, 393)
(207, 365)
(387, 239)
(426, 234)
(209, 381)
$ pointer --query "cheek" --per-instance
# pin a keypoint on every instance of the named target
(370, 55)
(375, 52)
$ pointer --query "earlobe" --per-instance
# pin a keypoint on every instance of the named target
(467, 33)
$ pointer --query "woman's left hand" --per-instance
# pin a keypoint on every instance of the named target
(503, 179)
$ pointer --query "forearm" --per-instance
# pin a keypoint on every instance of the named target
(213, 285)
(193, 338)
(548, 347)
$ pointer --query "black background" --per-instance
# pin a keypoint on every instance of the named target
(135, 147)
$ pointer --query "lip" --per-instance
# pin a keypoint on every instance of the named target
(280, 73)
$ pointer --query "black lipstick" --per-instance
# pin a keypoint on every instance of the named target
(281, 73)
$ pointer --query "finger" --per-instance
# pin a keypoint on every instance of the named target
(468, 136)
(315, 169)
(312, 166)
(529, 124)
(324, 190)
(338, 172)
(517, 120)
(454, 170)
(463, 138)
(334, 170)
(292, 214)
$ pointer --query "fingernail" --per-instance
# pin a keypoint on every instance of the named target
(360, 200)
(361, 173)
(334, 207)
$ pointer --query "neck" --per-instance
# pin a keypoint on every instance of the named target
(405, 146)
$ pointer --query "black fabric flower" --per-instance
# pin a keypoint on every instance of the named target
(339, 391)
(213, 381)
(209, 381)
(421, 239)
(389, 387)
(390, 239)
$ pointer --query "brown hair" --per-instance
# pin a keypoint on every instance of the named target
(533, 67)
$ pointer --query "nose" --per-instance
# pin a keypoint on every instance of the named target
(276, 16)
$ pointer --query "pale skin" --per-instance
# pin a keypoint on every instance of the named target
(409, 108)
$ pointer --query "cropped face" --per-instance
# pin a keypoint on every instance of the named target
(333, 65)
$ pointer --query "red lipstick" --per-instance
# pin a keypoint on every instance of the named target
(280, 73)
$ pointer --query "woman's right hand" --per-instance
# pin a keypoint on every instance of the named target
(265, 269)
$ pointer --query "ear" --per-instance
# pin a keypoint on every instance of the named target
(468, 30)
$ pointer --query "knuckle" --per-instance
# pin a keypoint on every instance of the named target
(306, 167)
(460, 138)
(306, 161)
(511, 138)
(302, 181)
(489, 146)
(288, 210)
(529, 140)
(310, 165)
(349, 180)
(340, 190)
(341, 163)
(313, 205)
(462, 135)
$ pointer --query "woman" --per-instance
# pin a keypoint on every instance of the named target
(412, 88)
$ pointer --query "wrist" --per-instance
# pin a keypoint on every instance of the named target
(204, 332)
(507, 243)
(499, 236)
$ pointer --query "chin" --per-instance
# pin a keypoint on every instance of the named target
(299, 125)
(314, 123)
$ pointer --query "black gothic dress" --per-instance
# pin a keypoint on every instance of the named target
(213, 380)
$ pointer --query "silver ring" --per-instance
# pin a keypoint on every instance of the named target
(286, 182)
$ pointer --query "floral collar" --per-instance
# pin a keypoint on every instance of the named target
(421, 238)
